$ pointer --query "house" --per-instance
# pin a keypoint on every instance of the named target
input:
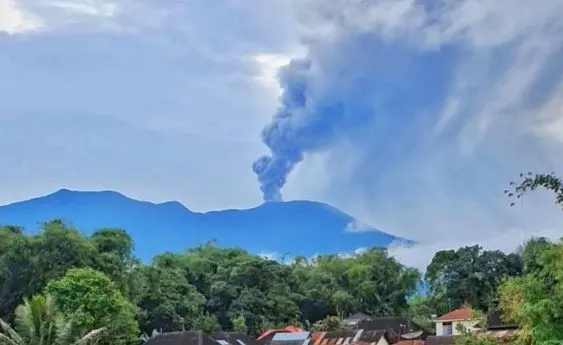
(353, 320)
(374, 337)
(342, 337)
(181, 338)
(450, 323)
(201, 338)
(269, 334)
(447, 327)
(397, 324)
(234, 338)
(294, 338)
(351, 337)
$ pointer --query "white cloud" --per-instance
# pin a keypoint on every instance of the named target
(450, 110)
(356, 252)
(420, 256)
(269, 65)
(174, 90)
(550, 115)
(15, 20)
(357, 226)
(480, 23)
(87, 7)
(269, 255)
(17, 16)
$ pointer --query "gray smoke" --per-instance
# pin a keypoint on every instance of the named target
(379, 74)
(281, 135)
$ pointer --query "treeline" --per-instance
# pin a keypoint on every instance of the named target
(96, 281)
(203, 288)
(227, 288)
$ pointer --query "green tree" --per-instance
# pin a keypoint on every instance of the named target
(59, 248)
(330, 323)
(115, 259)
(28, 262)
(535, 301)
(94, 301)
(470, 275)
(18, 270)
(343, 302)
(207, 323)
(239, 324)
(423, 307)
(169, 302)
(372, 282)
(531, 182)
(531, 253)
(38, 322)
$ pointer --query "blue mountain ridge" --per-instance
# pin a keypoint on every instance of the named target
(289, 228)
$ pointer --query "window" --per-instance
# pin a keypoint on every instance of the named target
(447, 328)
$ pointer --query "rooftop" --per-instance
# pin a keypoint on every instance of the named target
(181, 338)
(410, 342)
(288, 329)
(441, 340)
(458, 314)
(358, 317)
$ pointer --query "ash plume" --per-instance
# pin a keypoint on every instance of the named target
(282, 136)
(399, 81)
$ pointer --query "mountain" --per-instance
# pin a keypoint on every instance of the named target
(293, 228)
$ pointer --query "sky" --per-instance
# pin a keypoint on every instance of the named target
(412, 116)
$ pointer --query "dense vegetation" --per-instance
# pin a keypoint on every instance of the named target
(59, 274)
(204, 287)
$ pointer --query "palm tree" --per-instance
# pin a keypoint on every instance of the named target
(38, 323)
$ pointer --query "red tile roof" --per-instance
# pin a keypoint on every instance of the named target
(458, 314)
(294, 329)
(363, 343)
(348, 337)
(288, 329)
(333, 337)
(317, 335)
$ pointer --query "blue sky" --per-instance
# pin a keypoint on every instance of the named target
(412, 116)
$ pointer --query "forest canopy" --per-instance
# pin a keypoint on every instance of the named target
(219, 288)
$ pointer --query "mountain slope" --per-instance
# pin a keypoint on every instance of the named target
(294, 227)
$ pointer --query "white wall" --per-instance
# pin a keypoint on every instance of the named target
(439, 328)
(468, 325)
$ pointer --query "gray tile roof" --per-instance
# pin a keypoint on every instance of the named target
(182, 338)
(291, 336)
(290, 342)
(235, 338)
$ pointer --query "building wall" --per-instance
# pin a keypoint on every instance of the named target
(455, 327)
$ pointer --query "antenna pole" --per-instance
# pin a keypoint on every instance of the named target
(523, 220)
